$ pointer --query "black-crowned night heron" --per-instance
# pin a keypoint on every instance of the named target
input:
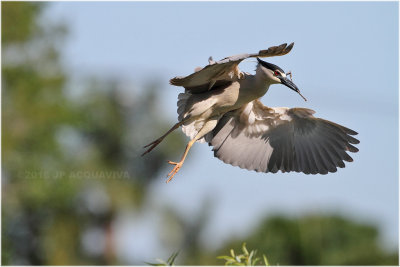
(221, 106)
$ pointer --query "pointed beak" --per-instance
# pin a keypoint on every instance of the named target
(291, 85)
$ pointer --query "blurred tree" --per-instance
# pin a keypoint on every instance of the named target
(191, 249)
(69, 164)
(316, 240)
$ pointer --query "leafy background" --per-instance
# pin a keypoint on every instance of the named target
(72, 176)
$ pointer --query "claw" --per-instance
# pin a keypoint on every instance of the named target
(238, 73)
(174, 171)
(211, 61)
(290, 75)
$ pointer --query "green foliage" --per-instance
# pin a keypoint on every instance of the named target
(16, 18)
(244, 259)
(169, 262)
(57, 147)
(318, 240)
(308, 240)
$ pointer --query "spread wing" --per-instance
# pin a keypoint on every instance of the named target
(264, 139)
(222, 73)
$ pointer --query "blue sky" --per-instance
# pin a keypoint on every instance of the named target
(345, 62)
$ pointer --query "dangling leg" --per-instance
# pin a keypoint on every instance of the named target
(208, 127)
(159, 140)
(179, 164)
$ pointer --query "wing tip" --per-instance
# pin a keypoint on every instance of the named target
(289, 47)
(278, 50)
(177, 81)
(352, 148)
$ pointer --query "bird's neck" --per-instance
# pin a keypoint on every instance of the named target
(261, 82)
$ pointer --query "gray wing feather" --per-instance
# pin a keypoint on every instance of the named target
(273, 51)
(205, 75)
(300, 143)
(222, 72)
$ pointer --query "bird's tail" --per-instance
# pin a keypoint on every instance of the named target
(155, 143)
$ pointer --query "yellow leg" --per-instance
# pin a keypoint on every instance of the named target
(179, 164)
(159, 140)
(207, 127)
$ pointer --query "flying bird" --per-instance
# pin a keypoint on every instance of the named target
(221, 106)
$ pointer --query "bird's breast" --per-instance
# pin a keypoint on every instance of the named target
(235, 96)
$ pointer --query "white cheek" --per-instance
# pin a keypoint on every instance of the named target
(276, 80)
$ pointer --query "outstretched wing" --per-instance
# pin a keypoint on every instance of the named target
(264, 139)
(222, 73)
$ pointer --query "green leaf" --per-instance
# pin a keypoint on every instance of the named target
(245, 259)
(250, 258)
(155, 264)
(172, 258)
(170, 261)
(256, 260)
(265, 260)
(232, 253)
(245, 249)
(225, 258)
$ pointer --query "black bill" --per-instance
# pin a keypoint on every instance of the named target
(291, 85)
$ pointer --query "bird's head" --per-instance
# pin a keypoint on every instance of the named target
(274, 74)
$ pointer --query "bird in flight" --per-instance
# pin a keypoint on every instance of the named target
(221, 106)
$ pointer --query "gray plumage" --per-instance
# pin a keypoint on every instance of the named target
(300, 143)
(224, 71)
(220, 106)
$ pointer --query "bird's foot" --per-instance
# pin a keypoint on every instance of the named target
(239, 74)
(290, 75)
(152, 145)
(211, 61)
(172, 173)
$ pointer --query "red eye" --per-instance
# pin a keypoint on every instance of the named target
(276, 73)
